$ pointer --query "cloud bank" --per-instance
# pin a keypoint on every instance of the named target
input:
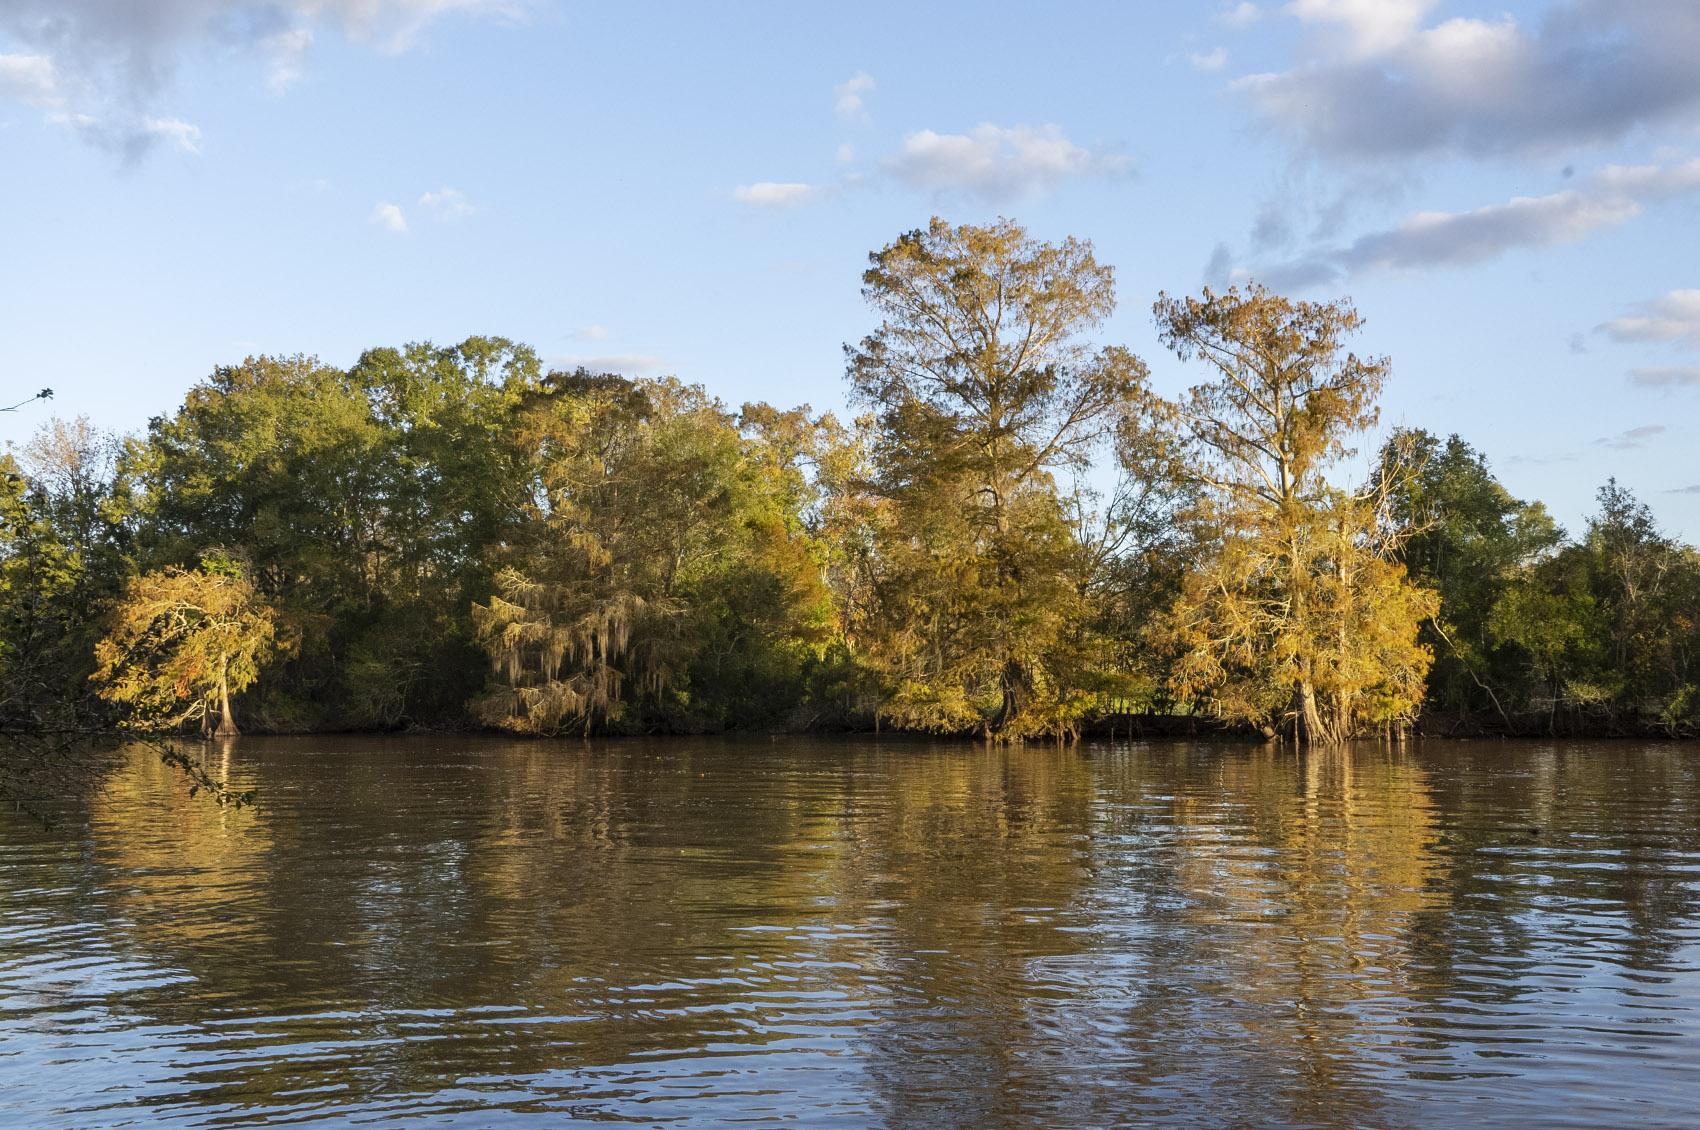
(1383, 85)
(1611, 197)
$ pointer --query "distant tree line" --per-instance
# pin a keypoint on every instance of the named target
(1015, 537)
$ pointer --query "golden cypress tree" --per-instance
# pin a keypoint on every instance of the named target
(1297, 611)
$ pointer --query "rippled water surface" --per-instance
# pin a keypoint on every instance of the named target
(423, 932)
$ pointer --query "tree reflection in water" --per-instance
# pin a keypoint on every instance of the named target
(846, 933)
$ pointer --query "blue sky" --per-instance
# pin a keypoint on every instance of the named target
(1511, 196)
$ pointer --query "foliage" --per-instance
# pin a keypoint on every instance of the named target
(661, 575)
(1470, 541)
(1609, 627)
(61, 564)
(181, 641)
(1295, 612)
(1311, 603)
(446, 536)
(983, 387)
(368, 503)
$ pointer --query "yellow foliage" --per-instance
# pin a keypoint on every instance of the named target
(1307, 615)
(181, 641)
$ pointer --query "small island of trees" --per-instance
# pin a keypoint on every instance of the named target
(1015, 537)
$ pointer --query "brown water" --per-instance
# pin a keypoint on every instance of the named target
(424, 932)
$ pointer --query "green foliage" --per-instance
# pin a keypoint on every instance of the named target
(661, 576)
(1609, 627)
(368, 503)
(1471, 540)
(41, 581)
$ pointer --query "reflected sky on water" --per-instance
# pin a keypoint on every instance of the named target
(478, 933)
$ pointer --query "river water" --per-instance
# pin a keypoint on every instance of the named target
(476, 933)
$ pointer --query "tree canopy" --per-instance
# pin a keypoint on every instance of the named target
(1014, 537)
(1298, 612)
(983, 386)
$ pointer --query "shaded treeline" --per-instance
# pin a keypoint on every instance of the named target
(453, 536)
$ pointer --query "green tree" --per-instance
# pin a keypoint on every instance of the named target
(1471, 542)
(983, 387)
(661, 576)
(42, 583)
(1608, 626)
(1296, 611)
(367, 502)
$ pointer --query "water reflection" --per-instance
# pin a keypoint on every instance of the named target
(479, 933)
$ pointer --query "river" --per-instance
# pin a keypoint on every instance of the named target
(425, 931)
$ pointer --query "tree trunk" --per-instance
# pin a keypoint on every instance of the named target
(1316, 726)
(1016, 689)
(226, 724)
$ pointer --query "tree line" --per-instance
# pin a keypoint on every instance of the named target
(1015, 536)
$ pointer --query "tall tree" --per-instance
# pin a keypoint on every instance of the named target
(1471, 542)
(1296, 612)
(984, 387)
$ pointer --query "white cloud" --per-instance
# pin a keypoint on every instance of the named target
(1633, 438)
(1241, 15)
(1370, 27)
(1613, 196)
(996, 163)
(1674, 317)
(627, 364)
(446, 204)
(850, 106)
(991, 162)
(1214, 61)
(1380, 84)
(771, 194)
(181, 135)
(389, 216)
(31, 80)
(1667, 376)
(287, 55)
(591, 333)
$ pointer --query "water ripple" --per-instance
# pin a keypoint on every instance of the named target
(482, 934)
